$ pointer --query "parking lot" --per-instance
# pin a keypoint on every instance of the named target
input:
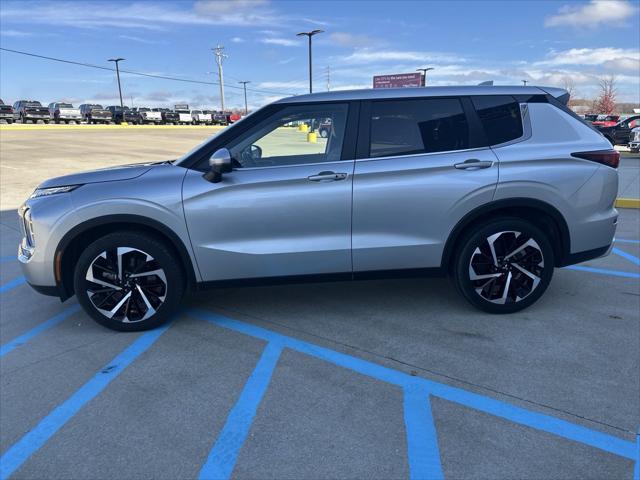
(373, 379)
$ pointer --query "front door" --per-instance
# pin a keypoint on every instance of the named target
(285, 209)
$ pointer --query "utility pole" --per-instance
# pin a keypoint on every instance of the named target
(116, 61)
(524, 82)
(310, 34)
(244, 85)
(328, 78)
(220, 56)
(424, 74)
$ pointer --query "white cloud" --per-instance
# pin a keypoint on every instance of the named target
(283, 42)
(237, 40)
(366, 55)
(133, 38)
(345, 39)
(15, 33)
(607, 57)
(593, 14)
(293, 85)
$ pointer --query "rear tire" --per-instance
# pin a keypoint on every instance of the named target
(110, 285)
(503, 266)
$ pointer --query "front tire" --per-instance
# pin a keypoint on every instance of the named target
(129, 281)
(503, 266)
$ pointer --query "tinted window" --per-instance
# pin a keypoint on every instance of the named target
(500, 117)
(406, 127)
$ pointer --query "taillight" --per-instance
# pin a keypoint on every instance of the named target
(610, 158)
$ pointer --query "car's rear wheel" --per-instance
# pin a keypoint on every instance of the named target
(503, 266)
(128, 281)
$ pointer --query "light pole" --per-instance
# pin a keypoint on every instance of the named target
(116, 61)
(244, 85)
(424, 74)
(310, 34)
(524, 82)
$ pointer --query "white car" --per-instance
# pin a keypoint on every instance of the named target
(64, 112)
(200, 117)
(634, 140)
(184, 114)
(148, 116)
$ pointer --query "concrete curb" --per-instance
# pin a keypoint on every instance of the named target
(628, 203)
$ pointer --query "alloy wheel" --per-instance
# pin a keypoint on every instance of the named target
(506, 267)
(126, 284)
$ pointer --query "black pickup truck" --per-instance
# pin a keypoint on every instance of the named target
(620, 133)
(93, 113)
(31, 111)
(6, 112)
(123, 115)
(168, 116)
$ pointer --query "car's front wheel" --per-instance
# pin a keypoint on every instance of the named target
(128, 281)
(503, 266)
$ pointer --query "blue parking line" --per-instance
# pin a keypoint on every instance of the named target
(626, 256)
(422, 440)
(15, 456)
(16, 282)
(25, 337)
(636, 469)
(224, 454)
(8, 258)
(626, 240)
(603, 271)
(556, 426)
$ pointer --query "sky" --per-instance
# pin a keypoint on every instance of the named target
(545, 42)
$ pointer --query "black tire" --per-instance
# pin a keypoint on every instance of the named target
(9, 122)
(488, 293)
(163, 300)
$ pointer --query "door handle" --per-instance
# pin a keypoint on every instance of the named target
(473, 164)
(327, 177)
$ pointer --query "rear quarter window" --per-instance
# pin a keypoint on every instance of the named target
(500, 117)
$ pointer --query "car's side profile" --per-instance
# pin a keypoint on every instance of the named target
(495, 186)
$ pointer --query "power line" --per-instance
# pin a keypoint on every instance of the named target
(142, 74)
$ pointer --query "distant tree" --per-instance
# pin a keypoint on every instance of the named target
(606, 101)
(569, 85)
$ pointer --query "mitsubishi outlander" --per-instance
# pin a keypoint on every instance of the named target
(494, 186)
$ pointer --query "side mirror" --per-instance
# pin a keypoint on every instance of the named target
(219, 163)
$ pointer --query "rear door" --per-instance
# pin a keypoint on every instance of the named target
(419, 170)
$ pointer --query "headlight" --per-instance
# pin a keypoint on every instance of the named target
(45, 192)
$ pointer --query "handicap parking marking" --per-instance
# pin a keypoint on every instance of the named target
(411, 385)
(224, 454)
(16, 282)
(615, 273)
(30, 443)
(47, 324)
(626, 240)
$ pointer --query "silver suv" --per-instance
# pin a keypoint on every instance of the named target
(495, 186)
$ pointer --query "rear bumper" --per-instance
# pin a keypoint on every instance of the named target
(587, 255)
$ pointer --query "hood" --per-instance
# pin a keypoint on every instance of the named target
(112, 174)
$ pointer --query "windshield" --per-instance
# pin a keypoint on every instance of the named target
(93, 106)
(196, 112)
(65, 105)
(32, 104)
(143, 109)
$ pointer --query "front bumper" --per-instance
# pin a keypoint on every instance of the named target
(634, 145)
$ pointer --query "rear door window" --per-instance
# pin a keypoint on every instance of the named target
(500, 116)
(414, 126)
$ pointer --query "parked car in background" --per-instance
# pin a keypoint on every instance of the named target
(606, 120)
(620, 133)
(220, 118)
(168, 116)
(184, 114)
(95, 113)
(634, 140)
(64, 112)
(31, 111)
(148, 116)
(324, 128)
(591, 117)
(449, 180)
(123, 115)
(201, 118)
(233, 117)
(6, 112)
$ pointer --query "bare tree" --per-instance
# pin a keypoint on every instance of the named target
(606, 101)
(569, 85)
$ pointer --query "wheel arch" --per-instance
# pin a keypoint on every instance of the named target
(544, 216)
(68, 251)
